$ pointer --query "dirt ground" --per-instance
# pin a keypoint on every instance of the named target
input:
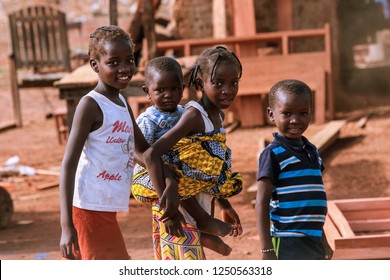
(357, 165)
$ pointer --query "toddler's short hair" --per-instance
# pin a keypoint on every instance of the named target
(162, 64)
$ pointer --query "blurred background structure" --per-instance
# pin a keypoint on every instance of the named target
(360, 29)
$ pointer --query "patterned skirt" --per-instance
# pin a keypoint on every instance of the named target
(169, 247)
(204, 163)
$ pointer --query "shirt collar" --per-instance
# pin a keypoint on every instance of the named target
(293, 144)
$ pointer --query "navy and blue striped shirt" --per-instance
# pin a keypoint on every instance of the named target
(298, 204)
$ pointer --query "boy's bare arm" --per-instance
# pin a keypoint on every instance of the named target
(264, 192)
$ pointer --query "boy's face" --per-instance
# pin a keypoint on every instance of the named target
(165, 90)
(116, 65)
(291, 114)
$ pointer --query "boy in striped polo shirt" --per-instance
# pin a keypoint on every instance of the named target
(291, 201)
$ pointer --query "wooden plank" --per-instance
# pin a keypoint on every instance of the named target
(363, 203)
(328, 135)
(256, 38)
(339, 220)
(15, 91)
(219, 19)
(377, 253)
(377, 225)
(284, 14)
(244, 23)
(253, 114)
(113, 12)
(252, 188)
(7, 125)
(331, 232)
(371, 214)
(364, 241)
(47, 172)
(47, 186)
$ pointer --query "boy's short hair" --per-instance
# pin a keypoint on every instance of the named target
(162, 64)
(290, 86)
(104, 34)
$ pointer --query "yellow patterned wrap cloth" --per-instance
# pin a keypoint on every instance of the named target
(204, 162)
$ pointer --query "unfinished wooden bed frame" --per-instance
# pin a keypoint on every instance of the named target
(261, 70)
(359, 228)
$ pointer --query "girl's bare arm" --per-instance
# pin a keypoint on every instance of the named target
(87, 117)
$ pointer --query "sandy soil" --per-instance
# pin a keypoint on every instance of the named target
(356, 166)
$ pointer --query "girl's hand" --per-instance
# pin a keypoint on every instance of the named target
(173, 226)
(69, 245)
(169, 200)
(229, 215)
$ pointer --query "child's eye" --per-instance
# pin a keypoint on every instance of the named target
(160, 90)
(113, 63)
(287, 114)
(130, 61)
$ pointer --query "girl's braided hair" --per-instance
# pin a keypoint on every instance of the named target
(208, 61)
(104, 34)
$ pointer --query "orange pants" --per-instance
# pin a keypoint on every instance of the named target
(99, 235)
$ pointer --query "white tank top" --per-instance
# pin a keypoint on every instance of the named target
(105, 169)
(208, 124)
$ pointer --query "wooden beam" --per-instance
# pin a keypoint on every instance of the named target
(363, 203)
(219, 19)
(367, 214)
(113, 12)
(284, 11)
(328, 135)
(245, 24)
(378, 253)
(364, 241)
(376, 225)
(339, 220)
(7, 125)
(331, 231)
(149, 30)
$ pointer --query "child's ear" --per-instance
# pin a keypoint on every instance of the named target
(198, 84)
(94, 65)
(146, 91)
(270, 114)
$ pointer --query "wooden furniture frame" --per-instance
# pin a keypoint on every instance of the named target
(359, 228)
(261, 71)
(40, 50)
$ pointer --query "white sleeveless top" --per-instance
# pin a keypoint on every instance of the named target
(208, 124)
(105, 170)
